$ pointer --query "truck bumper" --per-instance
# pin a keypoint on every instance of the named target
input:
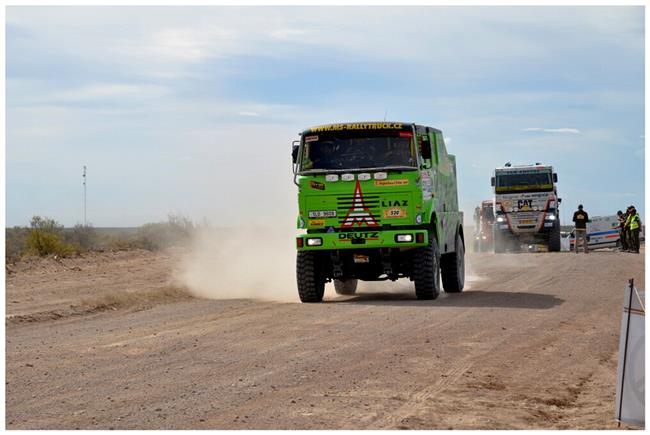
(366, 239)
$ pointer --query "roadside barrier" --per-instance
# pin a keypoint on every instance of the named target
(630, 379)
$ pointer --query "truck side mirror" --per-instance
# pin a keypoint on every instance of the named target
(294, 154)
(492, 181)
(426, 148)
(559, 200)
(555, 177)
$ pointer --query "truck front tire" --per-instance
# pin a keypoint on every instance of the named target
(347, 287)
(554, 241)
(453, 268)
(311, 283)
(426, 270)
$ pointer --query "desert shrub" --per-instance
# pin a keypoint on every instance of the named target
(82, 237)
(46, 224)
(177, 231)
(15, 243)
(115, 243)
(41, 243)
(45, 238)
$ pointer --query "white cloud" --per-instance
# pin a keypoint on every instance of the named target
(38, 93)
(554, 130)
(288, 33)
(245, 113)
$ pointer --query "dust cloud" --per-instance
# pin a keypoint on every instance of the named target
(255, 263)
(240, 263)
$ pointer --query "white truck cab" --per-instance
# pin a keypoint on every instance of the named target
(526, 207)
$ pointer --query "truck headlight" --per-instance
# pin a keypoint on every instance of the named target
(501, 219)
(404, 238)
(550, 217)
(314, 241)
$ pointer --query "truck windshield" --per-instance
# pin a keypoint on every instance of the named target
(358, 150)
(524, 181)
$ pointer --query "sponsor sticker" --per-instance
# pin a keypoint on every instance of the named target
(311, 138)
(317, 223)
(395, 212)
(316, 185)
(322, 213)
(400, 182)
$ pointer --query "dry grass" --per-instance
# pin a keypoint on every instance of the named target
(136, 300)
(121, 300)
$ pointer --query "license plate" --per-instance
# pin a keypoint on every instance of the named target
(322, 213)
(526, 221)
(361, 258)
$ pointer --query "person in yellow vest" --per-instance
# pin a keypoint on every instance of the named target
(635, 227)
(626, 226)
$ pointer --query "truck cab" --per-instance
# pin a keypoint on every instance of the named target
(526, 207)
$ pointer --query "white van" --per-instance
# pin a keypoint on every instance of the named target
(602, 232)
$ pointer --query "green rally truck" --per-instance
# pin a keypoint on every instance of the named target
(377, 201)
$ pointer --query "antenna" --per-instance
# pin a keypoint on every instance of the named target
(385, 114)
(84, 183)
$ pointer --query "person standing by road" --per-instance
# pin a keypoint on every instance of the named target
(628, 235)
(635, 226)
(580, 218)
(621, 230)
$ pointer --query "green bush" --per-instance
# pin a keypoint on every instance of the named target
(45, 238)
(41, 243)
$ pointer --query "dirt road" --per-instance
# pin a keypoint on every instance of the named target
(531, 344)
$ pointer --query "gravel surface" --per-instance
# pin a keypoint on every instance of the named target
(107, 341)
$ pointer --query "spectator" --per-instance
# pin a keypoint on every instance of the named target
(580, 218)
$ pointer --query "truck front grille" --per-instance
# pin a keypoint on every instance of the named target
(364, 211)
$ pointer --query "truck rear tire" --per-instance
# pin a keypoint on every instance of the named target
(426, 271)
(347, 287)
(554, 241)
(311, 284)
(499, 242)
(453, 268)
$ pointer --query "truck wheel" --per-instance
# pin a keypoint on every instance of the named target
(499, 242)
(311, 285)
(347, 287)
(426, 271)
(453, 268)
(554, 242)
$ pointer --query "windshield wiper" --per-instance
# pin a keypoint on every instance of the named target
(354, 170)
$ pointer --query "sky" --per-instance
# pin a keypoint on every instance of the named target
(192, 110)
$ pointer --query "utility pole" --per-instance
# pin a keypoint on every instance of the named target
(84, 177)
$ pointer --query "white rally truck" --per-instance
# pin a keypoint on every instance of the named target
(526, 207)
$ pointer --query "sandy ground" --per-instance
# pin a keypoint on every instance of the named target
(107, 341)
